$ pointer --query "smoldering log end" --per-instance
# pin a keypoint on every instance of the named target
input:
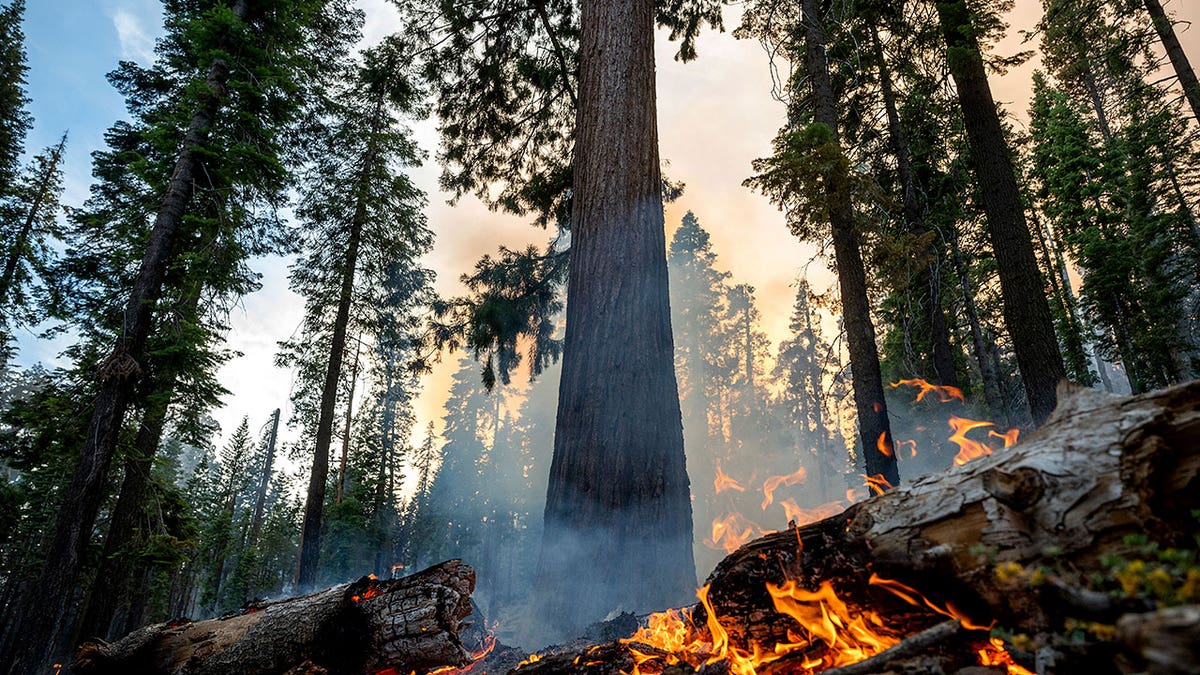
(1018, 490)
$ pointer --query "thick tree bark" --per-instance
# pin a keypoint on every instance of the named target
(46, 599)
(618, 480)
(1026, 311)
(371, 626)
(927, 278)
(314, 505)
(19, 246)
(1179, 60)
(874, 428)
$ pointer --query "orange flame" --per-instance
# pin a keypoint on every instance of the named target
(730, 532)
(969, 449)
(994, 654)
(371, 592)
(803, 517)
(914, 597)
(877, 484)
(773, 483)
(825, 623)
(945, 393)
(884, 447)
(724, 482)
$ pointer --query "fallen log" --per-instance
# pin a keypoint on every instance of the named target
(371, 626)
(1102, 468)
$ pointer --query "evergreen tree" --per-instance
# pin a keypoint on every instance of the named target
(15, 120)
(1027, 314)
(353, 244)
(232, 74)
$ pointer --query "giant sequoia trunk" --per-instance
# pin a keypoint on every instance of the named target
(1026, 311)
(873, 427)
(618, 481)
(1179, 60)
(46, 599)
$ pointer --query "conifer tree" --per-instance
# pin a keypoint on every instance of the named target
(215, 58)
(365, 221)
(15, 119)
(1027, 314)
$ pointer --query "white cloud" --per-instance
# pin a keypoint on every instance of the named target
(136, 42)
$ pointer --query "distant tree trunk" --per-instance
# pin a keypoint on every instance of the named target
(341, 484)
(1179, 60)
(989, 377)
(914, 219)
(1026, 312)
(47, 597)
(310, 535)
(873, 426)
(264, 482)
(618, 479)
(1093, 89)
(18, 247)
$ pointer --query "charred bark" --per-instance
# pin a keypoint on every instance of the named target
(618, 479)
(874, 428)
(409, 624)
(1026, 311)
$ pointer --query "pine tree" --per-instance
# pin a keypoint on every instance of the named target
(215, 58)
(354, 243)
(15, 120)
(813, 159)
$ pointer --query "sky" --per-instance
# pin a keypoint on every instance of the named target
(716, 115)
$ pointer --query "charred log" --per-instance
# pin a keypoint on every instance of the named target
(371, 625)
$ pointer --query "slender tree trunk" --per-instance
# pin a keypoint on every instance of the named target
(264, 482)
(310, 535)
(873, 426)
(618, 479)
(1179, 60)
(47, 598)
(1026, 312)
(341, 484)
(989, 377)
(914, 219)
(1093, 89)
(19, 246)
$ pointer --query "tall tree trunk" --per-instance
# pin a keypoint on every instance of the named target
(114, 573)
(927, 278)
(314, 505)
(1179, 60)
(47, 597)
(873, 427)
(18, 247)
(618, 479)
(264, 482)
(1026, 312)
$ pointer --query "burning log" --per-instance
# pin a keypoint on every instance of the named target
(371, 625)
(1102, 468)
